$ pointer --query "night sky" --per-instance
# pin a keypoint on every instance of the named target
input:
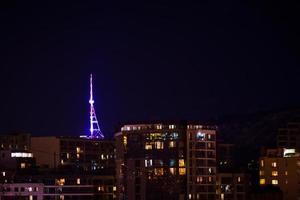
(149, 62)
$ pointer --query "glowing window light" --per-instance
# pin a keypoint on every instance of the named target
(159, 145)
(172, 171)
(182, 171)
(78, 181)
(21, 155)
(274, 182)
(125, 140)
(262, 163)
(148, 145)
(181, 163)
(23, 165)
(172, 144)
(274, 164)
(159, 126)
(200, 136)
(239, 179)
(77, 149)
(159, 171)
(60, 181)
(148, 163)
(101, 188)
(274, 173)
(114, 188)
(262, 181)
(261, 173)
(172, 126)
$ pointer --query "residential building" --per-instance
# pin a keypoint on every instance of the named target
(281, 168)
(289, 136)
(232, 186)
(83, 154)
(166, 161)
(15, 141)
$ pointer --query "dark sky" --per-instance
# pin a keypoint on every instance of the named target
(149, 61)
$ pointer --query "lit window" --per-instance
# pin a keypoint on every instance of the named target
(148, 145)
(172, 144)
(61, 197)
(274, 182)
(274, 164)
(181, 171)
(62, 161)
(208, 136)
(30, 189)
(209, 179)
(174, 136)
(125, 140)
(239, 179)
(199, 179)
(77, 149)
(274, 173)
(172, 162)
(262, 181)
(23, 165)
(181, 163)
(159, 145)
(68, 155)
(114, 188)
(78, 181)
(100, 188)
(261, 173)
(159, 171)
(21, 155)
(209, 145)
(286, 173)
(148, 163)
(159, 126)
(30, 197)
(222, 196)
(3, 173)
(171, 126)
(200, 136)
(172, 171)
(60, 181)
(77, 155)
(262, 164)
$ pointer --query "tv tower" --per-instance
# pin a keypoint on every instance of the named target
(95, 131)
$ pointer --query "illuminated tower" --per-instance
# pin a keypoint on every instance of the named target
(95, 131)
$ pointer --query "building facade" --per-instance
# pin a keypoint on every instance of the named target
(15, 141)
(281, 168)
(166, 161)
(74, 152)
(232, 186)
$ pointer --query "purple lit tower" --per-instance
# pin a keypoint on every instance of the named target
(95, 132)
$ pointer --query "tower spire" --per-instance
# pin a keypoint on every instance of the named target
(95, 131)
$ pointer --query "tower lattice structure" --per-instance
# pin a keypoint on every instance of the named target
(95, 131)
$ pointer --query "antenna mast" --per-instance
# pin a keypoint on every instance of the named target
(95, 131)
